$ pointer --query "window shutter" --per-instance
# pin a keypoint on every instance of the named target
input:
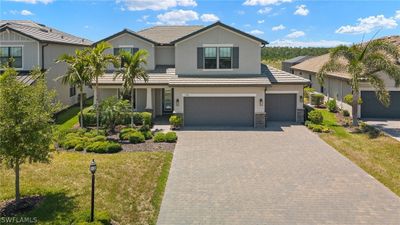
(235, 57)
(134, 50)
(200, 56)
(116, 51)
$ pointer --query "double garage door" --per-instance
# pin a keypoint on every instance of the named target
(219, 111)
(373, 108)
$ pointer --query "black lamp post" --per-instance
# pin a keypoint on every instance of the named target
(92, 168)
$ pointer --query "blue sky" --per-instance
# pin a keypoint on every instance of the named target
(281, 22)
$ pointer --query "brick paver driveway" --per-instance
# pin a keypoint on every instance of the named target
(286, 176)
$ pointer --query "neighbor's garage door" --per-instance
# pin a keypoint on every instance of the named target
(280, 107)
(219, 111)
(372, 108)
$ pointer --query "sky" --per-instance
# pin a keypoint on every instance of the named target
(315, 23)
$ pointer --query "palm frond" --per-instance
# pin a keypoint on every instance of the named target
(380, 90)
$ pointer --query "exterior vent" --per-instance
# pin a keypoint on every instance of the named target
(62, 37)
(44, 30)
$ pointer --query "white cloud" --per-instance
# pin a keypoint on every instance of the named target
(138, 5)
(321, 43)
(397, 16)
(265, 10)
(177, 17)
(26, 13)
(296, 34)
(301, 10)
(33, 1)
(260, 21)
(279, 27)
(256, 32)
(209, 18)
(265, 2)
(143, 18)
(368, 24)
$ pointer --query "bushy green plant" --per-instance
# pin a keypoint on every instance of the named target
(112, 111)
(147, 135)
(113, 147)
(80, 147)
(175, 121)
(307, 91)
(346, 113)
(159, 137)
(98, 147)
(98, 138)
(315, 117)
(137, 118)
(331, 105)
(171, 137)
(147, 118)
(136, 137)
(370, 130)
(126, 132)
(317, 99)
(348, 99)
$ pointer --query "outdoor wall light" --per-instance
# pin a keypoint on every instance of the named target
(261, 102)
(177, 102)
(301, 98)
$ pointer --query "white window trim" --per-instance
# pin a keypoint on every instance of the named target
(217, 46)
(22, 55)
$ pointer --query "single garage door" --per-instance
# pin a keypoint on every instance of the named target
(280, 107)
(219, 111)
(372, 108)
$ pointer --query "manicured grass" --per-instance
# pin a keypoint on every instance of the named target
(129, 186)
(67, 119)
(380, 157)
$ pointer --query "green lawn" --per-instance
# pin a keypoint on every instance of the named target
(380, 157)
(68, 118)
(129, 186)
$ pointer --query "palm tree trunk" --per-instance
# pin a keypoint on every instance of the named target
(355, 108)
(97, 104)
(81, 104)
(17, 193)
(132, 108)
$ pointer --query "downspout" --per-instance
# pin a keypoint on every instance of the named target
(44, 45)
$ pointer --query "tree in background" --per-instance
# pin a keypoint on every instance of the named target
(78, 73)
(99, 61)
(26, 113)
(132, 69)
(363, 62)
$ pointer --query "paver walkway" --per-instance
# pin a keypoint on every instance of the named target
(279, 176)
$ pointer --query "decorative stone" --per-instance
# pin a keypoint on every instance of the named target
(259, 120)
(300, 115)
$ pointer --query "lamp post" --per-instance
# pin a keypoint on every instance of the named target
(92, 168)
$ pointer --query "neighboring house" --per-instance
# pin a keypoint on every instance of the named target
(336, 85)
(287, 64)
(36, 45)
(211, 75)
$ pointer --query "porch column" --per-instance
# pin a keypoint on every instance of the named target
(149, 99)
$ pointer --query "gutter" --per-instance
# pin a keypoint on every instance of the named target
(44, 45)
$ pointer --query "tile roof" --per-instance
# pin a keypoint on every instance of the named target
(42, 33)
(167, 34)
(281, 77)
(298, 59)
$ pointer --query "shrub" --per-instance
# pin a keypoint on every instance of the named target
(317, 129)
(144, 128)
(147, 118)
(308, 91)
(136, 137)
(147, 135)
(159, 137)
(89, 117)
(170, 137)
(349, 99)
(80, 147)
(332, 106)
(98, 138)
(175, 121)
(126, 132)
(346, 113)
(101, 217)
(307, 123)
(71, 143)
(137, 118)
(98, 147)
(315, 117)
(370, 130)
(317, 99)
(113, 147)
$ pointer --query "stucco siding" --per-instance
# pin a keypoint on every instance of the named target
(165, 55)
(132, 41)
(249, 52)
(106, 93)
(141, 97)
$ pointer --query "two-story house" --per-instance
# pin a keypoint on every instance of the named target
(35, 45)
(211, 75)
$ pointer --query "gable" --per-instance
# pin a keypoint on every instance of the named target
(8, 35)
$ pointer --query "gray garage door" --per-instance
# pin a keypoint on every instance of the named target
(372, 108)
(280, 107)
(219, 111)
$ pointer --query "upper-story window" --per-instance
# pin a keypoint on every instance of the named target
(210, 58)
(11, 52)
(225, 58)
(132, 50)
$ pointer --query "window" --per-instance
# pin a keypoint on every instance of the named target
(167, 99)
(117, 51)
(225, 58)
(72, 91)
(11, 52)
(210, 58)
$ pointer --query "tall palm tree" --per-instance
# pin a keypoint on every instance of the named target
(364, 62)
(98, 63)
(132, 69)
(77, 74)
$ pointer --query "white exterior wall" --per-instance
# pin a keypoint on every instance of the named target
(292, 89)
(165, 55)
(256, 92)
(127, 40)
(249, 52)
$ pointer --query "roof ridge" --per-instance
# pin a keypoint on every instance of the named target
(161, 26)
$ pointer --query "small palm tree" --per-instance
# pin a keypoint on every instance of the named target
(132, 69)
(78, 73)
(363, 62)
(98, 63)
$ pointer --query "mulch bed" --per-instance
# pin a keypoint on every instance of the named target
(8, 208)
(148, 146)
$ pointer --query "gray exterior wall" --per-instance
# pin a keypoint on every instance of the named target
(249, 52)
(165, 55)
(132, 41)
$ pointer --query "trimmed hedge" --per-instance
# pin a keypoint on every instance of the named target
(104, 147)
(126, 132)
(317, 99)
(315, 117)
(159, 137)
(139, 118)
(171, 137)
(136, 137)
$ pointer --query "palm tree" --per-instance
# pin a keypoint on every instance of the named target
(364, 62)
(132, 69)
(78, 73)
(98, 63)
